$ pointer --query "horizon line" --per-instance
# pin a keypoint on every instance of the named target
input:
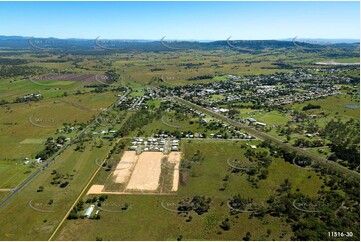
(177, 39)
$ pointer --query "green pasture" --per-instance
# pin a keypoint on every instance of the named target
(19, 216)
(204, 179)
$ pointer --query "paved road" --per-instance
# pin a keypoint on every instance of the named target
(219, 140)
(317, 159)
(47, 162)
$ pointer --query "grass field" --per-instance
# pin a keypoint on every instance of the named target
(32, 141)
(25, 126)
(170, 125)
(22, 221)
(152, 221)
(333, 107)
(273, 117)
(12, 173)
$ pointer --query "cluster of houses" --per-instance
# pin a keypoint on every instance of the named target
(233, 132)
(220, 110)
(32, 96)
(134, 103)
(334, 70)
(36, 161)
(104, 132)
(139, 103)
(265, 90)
(59, 142)
(28, 97)
(163, 144)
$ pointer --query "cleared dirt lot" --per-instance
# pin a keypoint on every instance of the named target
(146, 173)
(141, 173)
(125, 166)
(175, 157)
(95, 189)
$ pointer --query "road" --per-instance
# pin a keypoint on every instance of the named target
(47, 162)
(219, 140)
(317, 159)
(76, 200)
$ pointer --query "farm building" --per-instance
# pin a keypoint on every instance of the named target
(89, 211)
(251, 120)
(261, 124)
(223, 110)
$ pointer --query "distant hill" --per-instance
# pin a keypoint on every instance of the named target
(124, 45)
(324, 41)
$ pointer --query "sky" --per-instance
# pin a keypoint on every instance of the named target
(181, 20)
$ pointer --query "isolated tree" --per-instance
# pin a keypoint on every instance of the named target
(226, 225)
(247, 237)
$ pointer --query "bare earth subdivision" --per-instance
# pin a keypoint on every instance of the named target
(125, 166)
(174, 158)
(142, 173)
(146, 173)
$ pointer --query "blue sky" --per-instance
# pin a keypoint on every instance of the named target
(181, 20)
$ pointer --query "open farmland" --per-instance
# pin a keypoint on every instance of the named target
(39, 224)
(204, 179)
(120, 134)
(25, 137)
